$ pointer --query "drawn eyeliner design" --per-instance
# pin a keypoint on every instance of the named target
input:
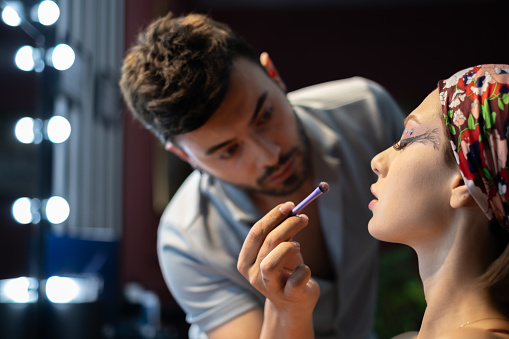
(428, 136)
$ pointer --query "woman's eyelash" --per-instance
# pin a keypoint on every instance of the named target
(398, 146)
(422, 138)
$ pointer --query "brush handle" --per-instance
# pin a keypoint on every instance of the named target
(315, 194)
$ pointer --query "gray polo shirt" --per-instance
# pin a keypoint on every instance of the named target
(204, 226)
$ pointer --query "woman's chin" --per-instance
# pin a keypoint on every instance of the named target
(379, 233)
(373, 231)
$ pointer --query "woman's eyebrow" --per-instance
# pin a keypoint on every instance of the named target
(412, 117)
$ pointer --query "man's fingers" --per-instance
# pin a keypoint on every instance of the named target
(299, 278)
(300, 285)
(258, 233)
(254, 254)
(284, 232)
(278, 265)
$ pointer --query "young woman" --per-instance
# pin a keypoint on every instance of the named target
(455, 220)
(451, 207)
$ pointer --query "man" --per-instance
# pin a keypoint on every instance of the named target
(207, 96)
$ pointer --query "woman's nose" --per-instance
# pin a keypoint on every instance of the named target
(379, 163)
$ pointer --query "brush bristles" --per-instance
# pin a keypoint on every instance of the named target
(324, 187)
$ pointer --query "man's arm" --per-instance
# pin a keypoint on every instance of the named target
(247, 326)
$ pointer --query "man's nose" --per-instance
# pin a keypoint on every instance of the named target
(267, 151)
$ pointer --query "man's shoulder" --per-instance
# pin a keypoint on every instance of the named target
(335, 93)
(199, 202)
(184, 207)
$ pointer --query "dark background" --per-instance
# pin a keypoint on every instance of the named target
(406, 46)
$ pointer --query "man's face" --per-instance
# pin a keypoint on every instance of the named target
(254, 139)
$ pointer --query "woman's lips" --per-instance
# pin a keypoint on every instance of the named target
(374, 201)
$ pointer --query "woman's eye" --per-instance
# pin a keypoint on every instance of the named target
(431, 137)
(398, 146)
(228, 152)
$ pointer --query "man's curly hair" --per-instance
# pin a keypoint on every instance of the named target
(176, 75)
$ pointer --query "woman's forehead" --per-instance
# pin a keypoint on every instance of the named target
(429, 110)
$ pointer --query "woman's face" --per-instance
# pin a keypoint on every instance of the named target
(412, 193)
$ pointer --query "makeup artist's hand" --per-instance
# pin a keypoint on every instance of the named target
(273, 264)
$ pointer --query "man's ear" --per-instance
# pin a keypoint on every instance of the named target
(272, 70)
(460, 196)
(171, 147)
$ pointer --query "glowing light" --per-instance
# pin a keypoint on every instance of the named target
(62, 57)
(61, 289)
(48, 12)
(24, 58)
(35, 208)
(28, 130)
(73, 289)
(59, 129)
(19, 290)
(24, 130)
(39, 65)
(21, 210)
(10, 16)
(57, 210)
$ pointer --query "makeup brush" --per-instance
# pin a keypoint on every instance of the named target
(322, 188)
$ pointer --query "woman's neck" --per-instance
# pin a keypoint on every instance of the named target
(452, 300)
(449, 269)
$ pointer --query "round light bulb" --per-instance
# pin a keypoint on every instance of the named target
(61, 289)
(48, 12)
(24, 58)
(24, 130)
(57, 210)
(10, 16)
(62, 57)
(21, 210)
(59, 129)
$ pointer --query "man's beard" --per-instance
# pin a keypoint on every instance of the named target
(301, 172)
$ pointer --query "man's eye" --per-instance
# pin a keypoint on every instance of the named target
(229, 152)
(265, 116)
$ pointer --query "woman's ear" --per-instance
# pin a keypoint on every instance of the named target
(272, 70)
(460, 196)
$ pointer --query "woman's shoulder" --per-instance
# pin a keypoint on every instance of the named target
(472, 333)
(407, 335)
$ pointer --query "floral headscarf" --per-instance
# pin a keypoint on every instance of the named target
(475, 106)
